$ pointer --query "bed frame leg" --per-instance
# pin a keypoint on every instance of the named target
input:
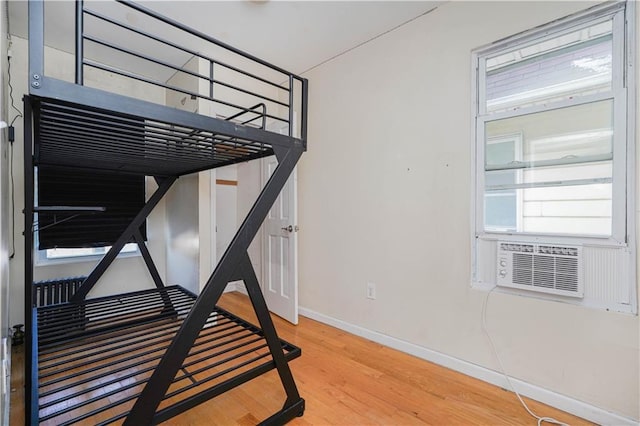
(31, 339)
(269, 330)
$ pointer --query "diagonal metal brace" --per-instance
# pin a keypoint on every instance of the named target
(147, 403)
(245, 269)
(124, 238)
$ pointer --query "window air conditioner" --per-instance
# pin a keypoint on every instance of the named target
(546, 268)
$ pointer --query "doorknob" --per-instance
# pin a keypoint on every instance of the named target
(287, 228)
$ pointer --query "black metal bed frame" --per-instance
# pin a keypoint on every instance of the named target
(198, 350)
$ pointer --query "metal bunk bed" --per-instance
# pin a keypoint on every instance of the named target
(143, 357)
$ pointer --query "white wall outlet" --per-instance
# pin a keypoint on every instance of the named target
(371, 291)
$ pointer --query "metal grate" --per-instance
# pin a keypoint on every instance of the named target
(80, 136)
(95, 358)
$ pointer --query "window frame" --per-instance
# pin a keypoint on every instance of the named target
(622, 94)
(516, 138)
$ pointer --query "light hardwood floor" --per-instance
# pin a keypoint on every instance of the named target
(347, 380)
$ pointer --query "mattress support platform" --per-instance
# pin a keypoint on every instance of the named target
(108, 353)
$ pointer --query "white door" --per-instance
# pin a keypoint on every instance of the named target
(280, 248)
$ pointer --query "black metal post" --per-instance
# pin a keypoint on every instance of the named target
(79, 41)
(211, 78)
(305, 111)
(291, 99)
(31, 357)
(32, 414)
(124, 238)
(36, 45)
(146, 405)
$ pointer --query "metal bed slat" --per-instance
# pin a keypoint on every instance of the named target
(70, 134)
(56, 320)
(70, 408)
(153, 137)
(227, 341)
(65, 312)
(110, 372)
(69, 363)
(56, 331)
(148, 137)
(152, 149)
(166, 330)
(99, 361)
(130, 347)
(136, 164)
(101, 301)
(122, 122)
(69, 329)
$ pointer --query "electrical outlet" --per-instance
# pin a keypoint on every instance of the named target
(371, 291)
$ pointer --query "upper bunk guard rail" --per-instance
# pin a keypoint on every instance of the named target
(236, 94)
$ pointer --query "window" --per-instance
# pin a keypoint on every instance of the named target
(551, 131)
(121, 196)
(554, 161)
(68, 236)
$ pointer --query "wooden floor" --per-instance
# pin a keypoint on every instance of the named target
(347, 380)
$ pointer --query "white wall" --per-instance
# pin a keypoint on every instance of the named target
(249, 187)
(126, 274)
(181, 229)
(226, 208)
(206, 224)
(190, 239)
(183, 242)
(385, 196)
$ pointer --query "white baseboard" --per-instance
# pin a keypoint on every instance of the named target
(562, 402)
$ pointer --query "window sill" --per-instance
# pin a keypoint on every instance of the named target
(40, 261)
(586, 303)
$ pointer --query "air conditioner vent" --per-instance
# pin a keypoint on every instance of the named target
(545, 268)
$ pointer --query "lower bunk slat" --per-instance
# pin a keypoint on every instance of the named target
(96, 357)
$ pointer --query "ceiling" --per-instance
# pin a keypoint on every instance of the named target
(293, 35)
